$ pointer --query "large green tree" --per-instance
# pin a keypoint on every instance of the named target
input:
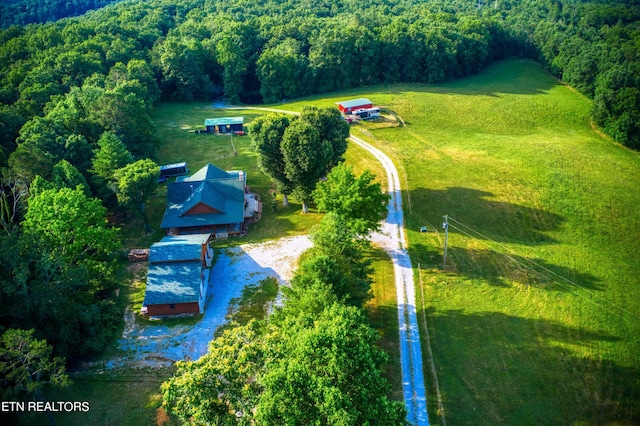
(67, 175)
(306, 158)
(27, 365)
(331, 128)
(64, 281)
(337, 260)
(221, 387)
(135, 183)
(266, 133)
(357, 200)
(325, 369)
(110, 155)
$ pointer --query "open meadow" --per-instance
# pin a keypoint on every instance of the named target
(536, 317)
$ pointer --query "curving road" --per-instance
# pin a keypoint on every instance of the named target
(392, 240)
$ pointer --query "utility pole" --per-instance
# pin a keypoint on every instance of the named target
(445, 226)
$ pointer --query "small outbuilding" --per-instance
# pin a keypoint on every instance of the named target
(224, 125)
(175, 169)
(366, 113)
(347, 107)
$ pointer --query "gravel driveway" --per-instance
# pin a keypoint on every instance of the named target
(152, 345)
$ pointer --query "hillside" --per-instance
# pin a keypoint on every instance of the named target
(542, 206)
(537, 316)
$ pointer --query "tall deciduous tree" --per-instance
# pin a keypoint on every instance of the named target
(110, 156)
(267, 132)
(306, 158)
(27, 364)
(65, 175)
(221, 387)
(345, 268)
(331, 128)
(65, 280)
(135, 183)
(357, 200)
(326, 369)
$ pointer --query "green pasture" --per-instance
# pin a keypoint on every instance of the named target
(536, 318)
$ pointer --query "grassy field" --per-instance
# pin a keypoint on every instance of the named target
(536, 319)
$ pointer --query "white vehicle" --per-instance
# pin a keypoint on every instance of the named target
(366, 113)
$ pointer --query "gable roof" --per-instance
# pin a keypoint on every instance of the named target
(354, 103)
(176, 248)
(204, 194)
(209, 197)
(209, 171)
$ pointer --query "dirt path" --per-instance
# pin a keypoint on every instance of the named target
(392, 240)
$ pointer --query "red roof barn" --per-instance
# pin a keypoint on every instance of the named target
(347, 107)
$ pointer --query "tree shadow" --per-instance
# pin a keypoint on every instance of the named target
(506, 270)
(507, 76)
(472, 210)
(496, 368)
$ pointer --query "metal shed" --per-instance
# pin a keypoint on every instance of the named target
(347, 107)
(224, 124)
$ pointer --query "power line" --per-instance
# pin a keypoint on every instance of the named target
(567, 282)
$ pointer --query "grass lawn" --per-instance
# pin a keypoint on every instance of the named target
(382, 311)
(510, 156)
(125, 398)
(176, 122)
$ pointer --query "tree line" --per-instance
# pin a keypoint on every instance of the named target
(271, 51)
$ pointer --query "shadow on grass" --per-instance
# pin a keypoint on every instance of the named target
(496, 368)
(508, 76)
(504, 270)
(497, 220)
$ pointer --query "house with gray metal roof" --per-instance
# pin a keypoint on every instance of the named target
(178, 275)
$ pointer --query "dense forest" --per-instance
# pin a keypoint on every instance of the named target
(76, 97)
(17, 12)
